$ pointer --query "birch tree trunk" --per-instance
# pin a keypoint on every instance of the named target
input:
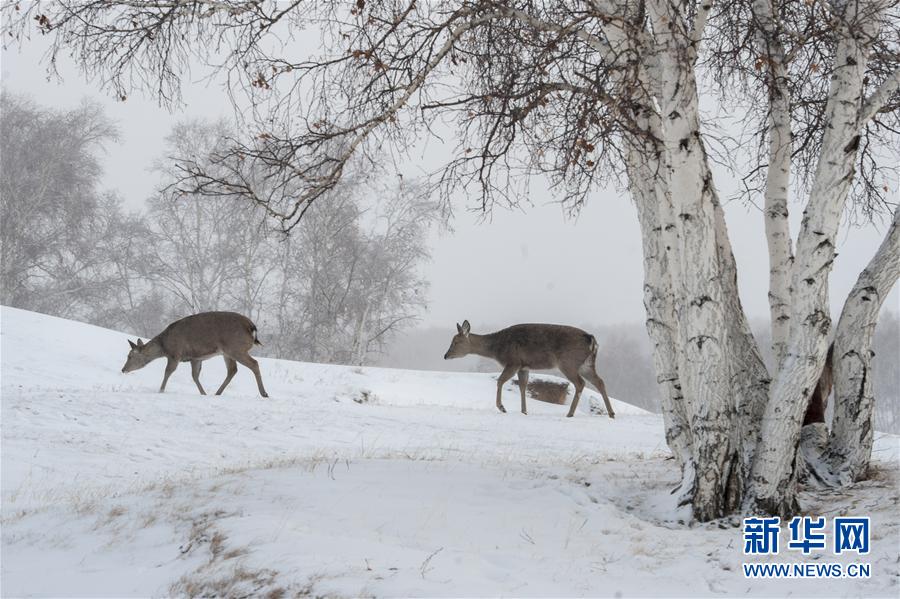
(648, 189)
(643, 173)
(773, 476)
(850, 443)
(699, 305)
(777, 226)
(360, 345)
(748, 374)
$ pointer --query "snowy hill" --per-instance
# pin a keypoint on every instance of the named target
(347, 481)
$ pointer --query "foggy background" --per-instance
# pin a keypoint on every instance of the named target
(531, 265)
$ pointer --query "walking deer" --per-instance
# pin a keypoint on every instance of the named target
(525, 347)
(197, 338)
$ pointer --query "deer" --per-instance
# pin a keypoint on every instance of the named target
(197, 338)
(524, 347)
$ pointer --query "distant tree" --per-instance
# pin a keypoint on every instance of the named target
(55, 221)
(206, 253)
(334, 291)
(887, 376)
(351, 276)
(392, 289)
(130, 302)
(319, 266)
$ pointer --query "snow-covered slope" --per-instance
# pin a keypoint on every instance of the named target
(347, 481)
(98, 428)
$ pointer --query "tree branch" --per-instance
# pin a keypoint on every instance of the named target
(880, 98)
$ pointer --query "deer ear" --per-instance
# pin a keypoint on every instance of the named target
(465, 328)
(140, 343)
(131, 343)
(458, 328)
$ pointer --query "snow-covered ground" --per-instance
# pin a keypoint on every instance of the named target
(352, 481)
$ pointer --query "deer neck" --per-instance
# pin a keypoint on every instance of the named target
(480, 345)
(153, 349)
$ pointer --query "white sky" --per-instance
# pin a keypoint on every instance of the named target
(520, 266)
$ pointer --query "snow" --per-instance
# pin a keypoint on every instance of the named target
(351, 481)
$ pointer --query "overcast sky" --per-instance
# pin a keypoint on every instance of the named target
(532, 265)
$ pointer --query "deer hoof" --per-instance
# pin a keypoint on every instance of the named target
(569, 415)
(502, 409)
(524, 413)
(611, 415)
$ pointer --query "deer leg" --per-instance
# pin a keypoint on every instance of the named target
(591, 375)
(171, 365)
(196, 365)
(576, 380)
(253, 365)
(501, 380)
(231, 365)
(523, 384)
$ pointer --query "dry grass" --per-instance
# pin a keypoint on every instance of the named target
(115, 512)
(365, 397)
(111, 517)
(882, 473)
(217, 544)
(227, 573)
(149, 520)
(218, 577)
(233, 553)
(239, 582)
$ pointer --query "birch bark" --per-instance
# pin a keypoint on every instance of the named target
(777, 226)
(643, 172)
(850, 442)
(699, 306)
(648, 190)
(748, 374)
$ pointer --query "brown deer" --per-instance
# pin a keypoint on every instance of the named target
(197, 338)
(525, 347)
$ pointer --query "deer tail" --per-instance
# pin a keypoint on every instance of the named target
(593, 344)
(256, 340)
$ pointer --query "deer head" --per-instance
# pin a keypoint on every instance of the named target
(138, 357)
(461, 345)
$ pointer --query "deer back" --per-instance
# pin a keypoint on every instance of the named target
(207, 334)
(542, 346)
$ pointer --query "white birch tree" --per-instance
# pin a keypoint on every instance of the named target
(852, 429)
